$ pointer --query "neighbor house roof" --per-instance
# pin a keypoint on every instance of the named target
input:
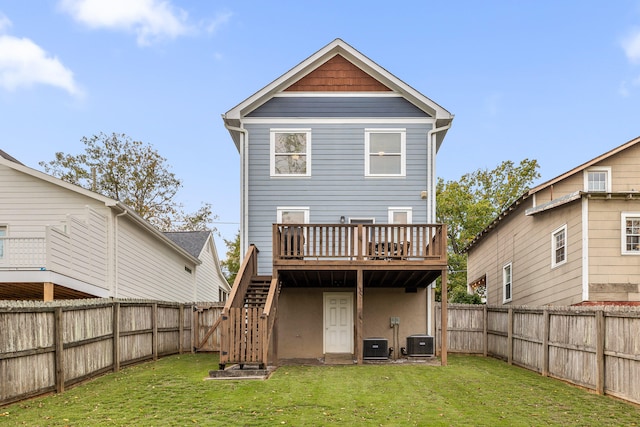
(547, 184)
(232, 118)
(191, 241)
(4, 155)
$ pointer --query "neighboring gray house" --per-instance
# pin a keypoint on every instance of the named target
(337, 206)
(211, 284)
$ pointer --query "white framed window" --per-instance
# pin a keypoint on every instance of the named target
(507, 282)
(598, 179)
(385, 152)
(630, 233)
(3, 234)
(559, 246)
(400, 215)
(290, 152)
(293, 215)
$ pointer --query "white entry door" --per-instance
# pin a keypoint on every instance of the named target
(338, 322)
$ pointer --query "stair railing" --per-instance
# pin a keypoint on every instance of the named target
(269, 316)
(231, 335)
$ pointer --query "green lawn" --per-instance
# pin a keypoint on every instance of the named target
(471, 391)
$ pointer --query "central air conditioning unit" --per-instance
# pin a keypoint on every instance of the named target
(420, 345)
(375, 349)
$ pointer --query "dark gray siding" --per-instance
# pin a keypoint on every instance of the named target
(337, 185)
(338, 107)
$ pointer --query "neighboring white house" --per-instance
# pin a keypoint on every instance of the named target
(211, 285)
(61, 241)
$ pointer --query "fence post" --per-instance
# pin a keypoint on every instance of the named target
(154, 334)
(116, 337)
(180, 329)
(510, 337)
(600, 341)
(485, 331)
(545, 343)
(59, 355)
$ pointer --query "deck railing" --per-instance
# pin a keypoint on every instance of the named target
(410, 242)
(18, 253)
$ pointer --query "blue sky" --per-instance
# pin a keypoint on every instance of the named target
(556, 81)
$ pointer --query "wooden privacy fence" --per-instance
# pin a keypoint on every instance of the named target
(593, 347)
(48, 347)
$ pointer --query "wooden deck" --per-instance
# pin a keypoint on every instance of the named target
(330, 255)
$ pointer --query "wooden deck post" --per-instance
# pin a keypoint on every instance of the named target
(48, 291)
(444, 318)
(359, 319)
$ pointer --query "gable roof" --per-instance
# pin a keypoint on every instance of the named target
(547, 184)
(191, 241)
(4, 155)
(366, 76)
(113, 204)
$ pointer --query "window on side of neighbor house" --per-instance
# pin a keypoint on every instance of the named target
(630, 233)
(3, 234)
(290, 152)
(598, 179)
(507, 283)
(385, 152)
(559, 246)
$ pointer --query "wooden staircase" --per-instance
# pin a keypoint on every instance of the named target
(257, 292)
(246, 323)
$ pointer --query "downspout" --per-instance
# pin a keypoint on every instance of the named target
(115, 253)
(244, 179)
(431, 215)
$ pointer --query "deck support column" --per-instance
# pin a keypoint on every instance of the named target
(48, 291)
(359, 305)
(444, 318)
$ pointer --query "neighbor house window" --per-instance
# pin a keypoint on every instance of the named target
(598, 179)
(631, 233)
(3, 234)
(507, 283)
(385, 153)
(559, 246)
(290, 152)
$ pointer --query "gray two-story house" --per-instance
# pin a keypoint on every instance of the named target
(337, 212)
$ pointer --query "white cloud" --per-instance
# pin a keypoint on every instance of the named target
(220, 19)
(5, 23)
(24, 64)
(150, 20)
(631, 46)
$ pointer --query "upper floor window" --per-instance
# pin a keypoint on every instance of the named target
(507, 283)
(559, 246)
(3, 234)
(598, 179)
(290, 152)
(385, 152)
(631, 233)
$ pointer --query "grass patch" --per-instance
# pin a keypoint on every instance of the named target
(471, 391)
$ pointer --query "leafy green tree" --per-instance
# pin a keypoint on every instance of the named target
(231, 265)
(135, 174)
(468, 205)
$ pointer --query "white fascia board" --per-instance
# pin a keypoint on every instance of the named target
(17, 276)
(338, 120)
